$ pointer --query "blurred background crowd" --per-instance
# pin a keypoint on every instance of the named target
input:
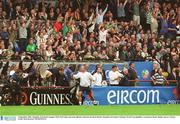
(79, 30)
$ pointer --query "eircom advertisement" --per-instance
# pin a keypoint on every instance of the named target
(133, 95)
(103, 96)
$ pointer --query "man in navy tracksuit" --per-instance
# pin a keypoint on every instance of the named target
(58, 76)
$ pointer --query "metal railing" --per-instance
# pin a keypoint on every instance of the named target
(54, 87)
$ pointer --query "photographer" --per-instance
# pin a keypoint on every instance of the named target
(11, 91)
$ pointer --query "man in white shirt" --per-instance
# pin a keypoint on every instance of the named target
(98, 77)
(114, 76)
(100, 14)
(91, 23)
(85, 81)
(102, 34)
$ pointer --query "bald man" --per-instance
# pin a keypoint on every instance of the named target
(85, 81)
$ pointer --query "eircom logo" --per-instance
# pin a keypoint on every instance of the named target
(133, 96)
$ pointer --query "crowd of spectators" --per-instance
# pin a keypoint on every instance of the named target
(125, 30)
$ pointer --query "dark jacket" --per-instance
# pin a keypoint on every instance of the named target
(57, 78)
(62, 80)
(132, 74)
(124, 81)
(153, 72)
(172, 76)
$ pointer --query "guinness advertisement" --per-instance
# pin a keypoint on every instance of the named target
(47, 96)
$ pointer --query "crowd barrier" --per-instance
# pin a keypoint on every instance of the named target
(143, 69)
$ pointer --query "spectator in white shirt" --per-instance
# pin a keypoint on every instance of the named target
(91, 23)
(102, 34)
(49, 53)
(114, 76)
(85, 81)
(100, 14)
(98, 77)
(41, 38)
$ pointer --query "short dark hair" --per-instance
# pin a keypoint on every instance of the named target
(114, 66)
(131, 63)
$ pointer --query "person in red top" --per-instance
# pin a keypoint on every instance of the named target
(57, 25)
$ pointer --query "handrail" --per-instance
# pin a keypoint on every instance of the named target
(76, 62)
(49, 87)
(40, 87)
(137, 81)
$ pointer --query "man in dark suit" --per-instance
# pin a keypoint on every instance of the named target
(132, 74)
(178, 85)
(178, 80)
(173, 75)
(125, 79)
(58, 76)
(62, 80)
(155, 68)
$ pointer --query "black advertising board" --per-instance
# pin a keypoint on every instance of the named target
(47, 96)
